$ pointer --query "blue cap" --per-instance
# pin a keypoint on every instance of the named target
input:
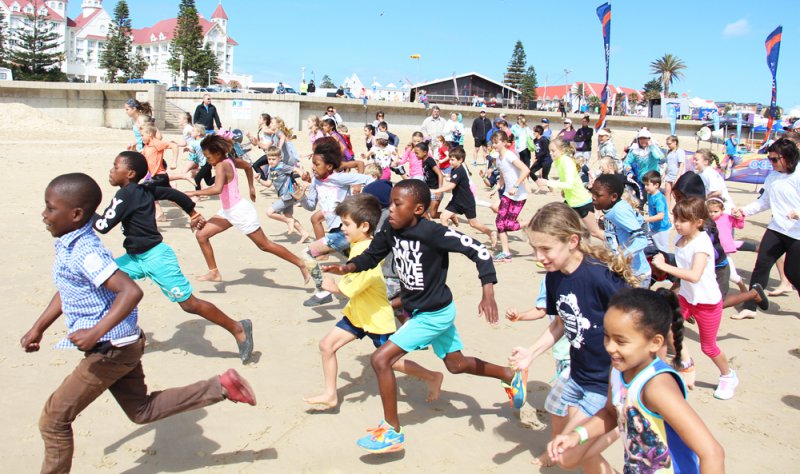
(544, 120)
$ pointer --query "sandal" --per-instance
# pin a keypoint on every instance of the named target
(764, 303)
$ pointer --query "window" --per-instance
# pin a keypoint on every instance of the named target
(29, 8)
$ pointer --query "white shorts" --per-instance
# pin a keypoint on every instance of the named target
(661, 239)
(243, 216)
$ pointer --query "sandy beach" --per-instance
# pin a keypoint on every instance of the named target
(471, 428)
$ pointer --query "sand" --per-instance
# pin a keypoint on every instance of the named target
(471, 428)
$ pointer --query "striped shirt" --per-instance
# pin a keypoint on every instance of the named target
(81, 268)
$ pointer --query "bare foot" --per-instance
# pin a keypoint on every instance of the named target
(493, 236)
(326, 401)
(781, 290)
(434, 387)
(744, 314)
(161, 217)
(212, 275)
(303, 237)
(306, 274)
(454, 220)
(543, 460)
(290, 224)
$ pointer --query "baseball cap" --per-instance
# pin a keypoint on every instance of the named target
(569, 121)
(603, 131)
(644, 133)
(482, 112)
(381, 136)
(544, 120)
(503, 116)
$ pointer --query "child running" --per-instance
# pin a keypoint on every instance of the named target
(676, 166)
(625, 229)
(513, 174)
(646, 398)
(657, 210)
(328, 188)
(463, 202)
(280, 175)
(415, 165)
(725, 225)
(433, 177)
(699, 296)
(421, 250)
(235, 212)
(147, 256)
(581, 279)
(368, 313)
(102, 321)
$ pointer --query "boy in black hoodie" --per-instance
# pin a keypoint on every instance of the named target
(421, 249)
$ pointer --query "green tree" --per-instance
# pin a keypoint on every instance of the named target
(116, 57)
(778, 112)
(528, 86)
(137, 66)
(594, 102)
(187, 50)
(35, 56)
(3, 40)
(327, 82)
(652, 90)
(668, 68)
(515, 73)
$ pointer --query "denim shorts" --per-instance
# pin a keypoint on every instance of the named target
(377, 339)
(567, 393)
(337, 241)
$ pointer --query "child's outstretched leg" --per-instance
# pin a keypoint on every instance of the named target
(280, 217)
(242, 331)
(485, 229)
(266, 245)
(316, 224)
(382, 361)
(214, 226)
(300, 230)
(431, 378)
(332, 342)
(312, 252)
(785, 287)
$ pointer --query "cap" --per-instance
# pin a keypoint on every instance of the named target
(569, 121)
(482, 112)
(603, 131)
(381, 136)
(644, 133)
(544, 120)
(502, 116)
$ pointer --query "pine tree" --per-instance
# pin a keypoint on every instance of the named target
(116, 56)
(516, 67)
(3, 41)
(327, 82)
(206, 67)
(35, 56)
(187, 43)
(137, 65)
(528, 87)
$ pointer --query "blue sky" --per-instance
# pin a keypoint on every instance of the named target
(721, 42)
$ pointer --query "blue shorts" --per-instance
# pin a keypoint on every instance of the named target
(573, 395)
(337, 241)
(377, 339)
(160, 265)
(435, 328)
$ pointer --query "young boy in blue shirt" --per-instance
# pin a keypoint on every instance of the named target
(99, 302)
(657, 210)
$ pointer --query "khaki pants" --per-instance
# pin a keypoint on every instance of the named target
(120, 371)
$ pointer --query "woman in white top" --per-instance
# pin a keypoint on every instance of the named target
(453, 131)
(782, 196)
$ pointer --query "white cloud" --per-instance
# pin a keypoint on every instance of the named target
(737, 28)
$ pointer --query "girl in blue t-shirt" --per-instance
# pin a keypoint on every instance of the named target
(581, 279)
(646, 398)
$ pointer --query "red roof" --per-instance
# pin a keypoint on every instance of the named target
(590, 88)
(82, 21)
(51, 14)
(167, 27)
(220, 12)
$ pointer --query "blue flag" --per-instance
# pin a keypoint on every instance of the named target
(773, 45)
(604, 14)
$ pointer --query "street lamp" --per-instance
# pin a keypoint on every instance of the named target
(569, 87)
(302, 73)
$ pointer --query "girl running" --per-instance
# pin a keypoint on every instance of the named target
(513, 173)
(235, 212)
(415, 165)
(646, 398)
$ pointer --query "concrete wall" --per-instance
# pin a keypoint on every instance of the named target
(94, 105)
(244, 114)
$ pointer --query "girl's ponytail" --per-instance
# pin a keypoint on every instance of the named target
(676, 325)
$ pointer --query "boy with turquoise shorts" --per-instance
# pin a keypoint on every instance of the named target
(147, 256)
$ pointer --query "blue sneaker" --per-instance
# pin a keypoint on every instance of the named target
(518, 389)
(383, 439)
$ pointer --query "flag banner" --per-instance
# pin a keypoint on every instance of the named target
(750, 168)
(773, 45)
(604, 14)
(738, 127)
(672, 114)
(715, 117)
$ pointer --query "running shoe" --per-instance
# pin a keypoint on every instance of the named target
(727, 386)
(518, 389)
(236, 388)
(246, 346)
(316, 300)
(383, 439)
(502, 257)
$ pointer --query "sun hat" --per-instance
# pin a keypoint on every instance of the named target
(569, 121)
(644, 133)
(381, 136)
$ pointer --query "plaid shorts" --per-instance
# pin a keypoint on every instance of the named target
(553, 403)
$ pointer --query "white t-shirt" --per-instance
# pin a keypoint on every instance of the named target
(187, 132)
(714, 182)
(511, 175)
(706, 290)
(781, 196)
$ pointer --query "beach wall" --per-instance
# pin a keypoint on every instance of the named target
(102, 105)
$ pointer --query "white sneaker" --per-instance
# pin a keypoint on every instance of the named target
(727, 386)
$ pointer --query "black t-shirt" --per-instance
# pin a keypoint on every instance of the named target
(543, 150)
(431, 178)
(462, 194)
(580, 299)
(583, 139)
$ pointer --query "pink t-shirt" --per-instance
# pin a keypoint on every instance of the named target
(414, 163)
(725, 225)
(229, 196)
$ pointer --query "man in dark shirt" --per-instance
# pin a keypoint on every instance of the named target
(480, 128)
(206, 115)
(312, 87)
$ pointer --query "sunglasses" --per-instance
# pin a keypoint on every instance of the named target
(773, 160)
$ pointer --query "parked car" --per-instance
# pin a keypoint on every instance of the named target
(143, 81)
(179, 89)
(6, 74)
(202, 89)
(289, 90)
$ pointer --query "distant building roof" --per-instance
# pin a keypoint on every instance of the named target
(219, 12)
(82, 21)
(591, 88)
(167, 28)
(436, 81)
(51, 14)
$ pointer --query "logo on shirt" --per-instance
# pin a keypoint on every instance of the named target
(111, 213)
(467, 241)
(407, 263)
(575, 324)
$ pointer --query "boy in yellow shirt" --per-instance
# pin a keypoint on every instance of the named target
(368, 313)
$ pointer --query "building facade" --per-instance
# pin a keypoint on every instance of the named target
(84, 39)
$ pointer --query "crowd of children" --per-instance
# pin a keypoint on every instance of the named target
(609, 332)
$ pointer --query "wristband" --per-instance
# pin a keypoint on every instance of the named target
(584, 435)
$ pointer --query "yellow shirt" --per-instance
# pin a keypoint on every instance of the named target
(368, 308)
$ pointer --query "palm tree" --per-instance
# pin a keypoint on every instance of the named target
(669, 68)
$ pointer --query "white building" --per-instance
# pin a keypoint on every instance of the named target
(84, 38)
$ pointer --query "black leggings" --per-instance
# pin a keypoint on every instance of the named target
(773, 245)
(258, 166)
(525, 157)
(204, 174)
(537, 165)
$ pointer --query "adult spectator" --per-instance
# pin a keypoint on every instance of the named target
(340, 92)
(379, 117)
(453, 131)
(312, 87)
(562, 108)
(303, 88)
(432, 127)
(643, 156)
(521, 133)
(583, 140)
(606, 148)
(481, 127)
(281, 89)
(567, 133)
(330, 113)
(206, 115)
(548, 132)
